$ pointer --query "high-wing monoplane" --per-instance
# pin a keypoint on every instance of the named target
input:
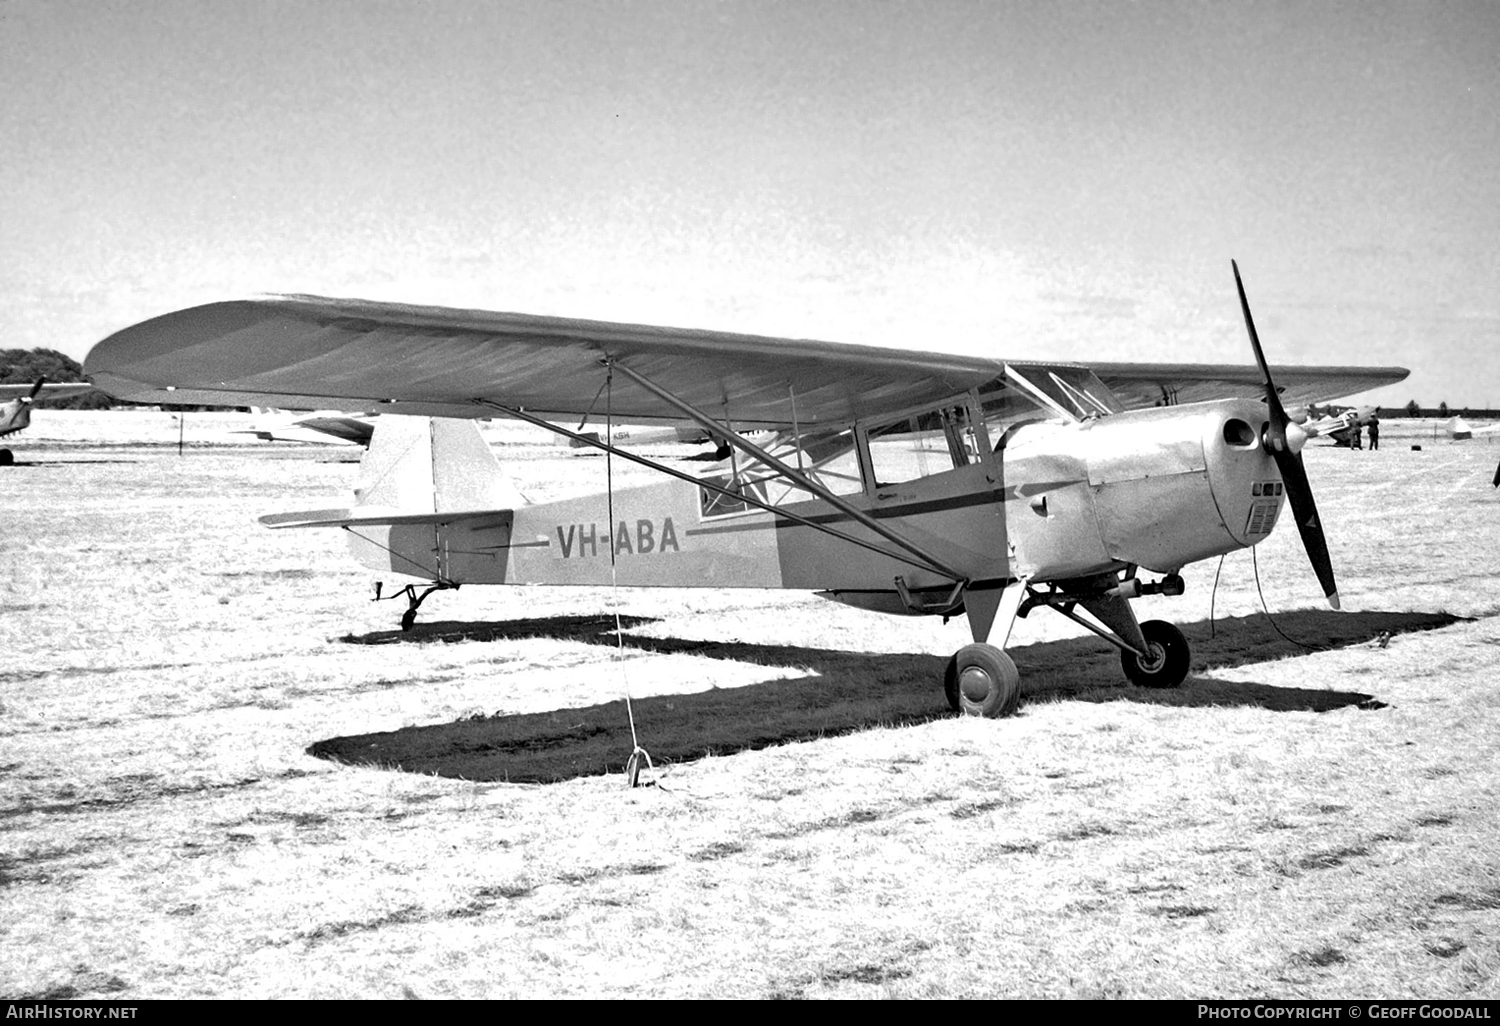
(318, 427)
(15, 407)
(895, 481)
(1341, 424)
(1460, 431)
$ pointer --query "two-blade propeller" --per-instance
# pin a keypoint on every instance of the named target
(1286, 452)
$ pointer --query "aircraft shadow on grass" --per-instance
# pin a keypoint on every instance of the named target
(67, 463)
(850, 691)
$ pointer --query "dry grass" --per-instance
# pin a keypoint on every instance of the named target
(163, 832)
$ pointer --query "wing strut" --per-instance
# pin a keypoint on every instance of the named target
(796, 477)
(589, 440)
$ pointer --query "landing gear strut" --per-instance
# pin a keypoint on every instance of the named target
(981, 680)
(413, 599)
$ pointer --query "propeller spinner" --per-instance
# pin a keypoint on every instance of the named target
(1284, 441)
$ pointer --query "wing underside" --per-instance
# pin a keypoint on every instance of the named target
(1140, 385)
(311, 353)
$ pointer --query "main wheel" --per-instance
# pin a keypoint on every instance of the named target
(6, 457)
(1168, 664)
(982, 681)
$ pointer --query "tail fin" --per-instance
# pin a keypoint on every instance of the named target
(418, 470)
(428, 465)
(431, 503)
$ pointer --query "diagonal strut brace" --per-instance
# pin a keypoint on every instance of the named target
(530, 418)
(796, 477)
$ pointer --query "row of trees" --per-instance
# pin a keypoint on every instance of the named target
(1416, 409)
(24, 366)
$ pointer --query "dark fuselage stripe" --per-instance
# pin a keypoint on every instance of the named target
(909, 509)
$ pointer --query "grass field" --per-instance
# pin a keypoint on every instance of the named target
(1291, 823)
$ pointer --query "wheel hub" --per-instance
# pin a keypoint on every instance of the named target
(975, 684)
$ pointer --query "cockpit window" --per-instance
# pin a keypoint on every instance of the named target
(921, 445)
(1075, 392)
(1039, 392)
(1005, 405)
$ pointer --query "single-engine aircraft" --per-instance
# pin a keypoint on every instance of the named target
(319, 427)
(15, 407)
(1460, 431)
(896, 481)
(1336, 424)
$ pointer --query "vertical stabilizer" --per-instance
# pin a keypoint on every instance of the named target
(432, 465)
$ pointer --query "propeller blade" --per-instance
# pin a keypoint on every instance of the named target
(1276, 436)
(1289, 462)
(1305, 511)
(36, 388)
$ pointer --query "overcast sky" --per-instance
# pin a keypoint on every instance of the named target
(1016, 179)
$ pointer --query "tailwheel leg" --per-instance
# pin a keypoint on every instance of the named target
(413, 599)
(1166, 662)
(981, 680)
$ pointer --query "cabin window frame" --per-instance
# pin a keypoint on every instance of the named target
(952, 431)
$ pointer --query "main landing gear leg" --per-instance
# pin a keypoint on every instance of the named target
(413, 599)
(981, 679)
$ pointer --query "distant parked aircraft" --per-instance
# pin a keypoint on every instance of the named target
(1339, 425)
(323, 427)
(1459, 429)
(15, 407)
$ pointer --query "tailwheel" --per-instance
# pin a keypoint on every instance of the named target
(981, 680)
(413, 599)
(1168, 663)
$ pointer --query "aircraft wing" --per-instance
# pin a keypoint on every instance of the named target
(308, 352)
(49, 391)
(1139, 385)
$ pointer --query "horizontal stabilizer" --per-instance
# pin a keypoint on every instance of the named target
(374, 516)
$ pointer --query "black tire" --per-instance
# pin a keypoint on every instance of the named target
(7, 457)
(408, 618)
(950, 684)
(1171, 654)
(986, 681)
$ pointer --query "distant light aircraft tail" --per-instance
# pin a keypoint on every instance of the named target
(431, 465)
